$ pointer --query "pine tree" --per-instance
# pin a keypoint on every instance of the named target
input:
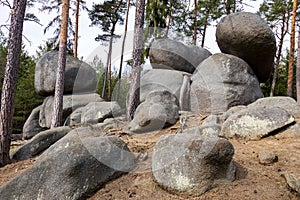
(277, 13)
(134, 93)
(107, 16)
(10, 78)
(57, 114)
(298, 69)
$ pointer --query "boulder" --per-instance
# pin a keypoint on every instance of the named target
(72, 168)
(79, 76)
(191, 164)
(160, 109)
(40, 142)
(287, 103)
(32, 126)
(75, 116)
(267, 157)
(293, 181)
(160, 80)
(170, 54)
(70, 103)
(247, 36)
(97, 112)
(255, 123)
(204, 130)
(221, 82)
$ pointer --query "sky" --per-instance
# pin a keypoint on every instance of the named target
(88, 47)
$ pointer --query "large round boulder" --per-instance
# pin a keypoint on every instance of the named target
(169, 54)
(221, 82)
(247, 36)
(79, 76)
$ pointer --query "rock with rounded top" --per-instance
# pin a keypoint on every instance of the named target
(220, 82)
(267, 157)
(256, 123)
(160, 109)
(170, 54)
(190, 164)
(247, 36)
(79, 76)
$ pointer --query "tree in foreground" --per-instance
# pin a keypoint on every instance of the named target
(134, 92)
(10, 78)
(298, 70)
(57, 113)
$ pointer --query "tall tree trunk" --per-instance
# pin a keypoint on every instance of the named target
(134, 93)
(292, 50)
(195, 23)
(169, 18)
(122, 52)
(298, 69)
(10, 78)
(205, 28)
(283, 32)
(57, 113)
(76, 28)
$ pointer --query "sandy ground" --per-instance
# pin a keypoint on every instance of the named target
(253, 180)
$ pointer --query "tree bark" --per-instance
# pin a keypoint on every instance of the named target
(292, 50)
(195, 23)
(57, 113)
(134, 93)
(10, 78)
(76, 28)
(298, 69)
(122, 52)
(169, 18)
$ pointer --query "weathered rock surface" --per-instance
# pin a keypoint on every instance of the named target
(32, 126)
(70, 103)
(160, 109)
(79, 76)
(72, 168)
(97, 112)
(169, 54)
(40, 142)
(205, 130)
(292, 181)
(231, 111)
(267, 157)
(248, 36)
(221, 82)
(75, 116)
(255, 123)
(160, 80)
(287, 103)
(190, 164)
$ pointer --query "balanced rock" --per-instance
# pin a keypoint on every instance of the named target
(221, 82)
(72, 168)
(32, 126)
(169, 54)
(160, 109)
(70, 103)
(79, 76)
(247, 36)
(190, 164)
(255, 123)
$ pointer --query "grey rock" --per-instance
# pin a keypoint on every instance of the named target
(231, 111)
(79, 76)
(292, 131)
(255, 123)
(191, 165)
(97, 112)
(286, 103)
(75, 116)
(247, 36)
(160, 80)
(169, 54)
(184, 97)
(267, 157)
(160, 109)
(70, 103)
(220, 82)
(32, 126)
(211, 119)
(292, 181)
(72, 168)
(40, 142)
(204, 130)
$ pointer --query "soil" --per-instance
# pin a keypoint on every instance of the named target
(253, 180)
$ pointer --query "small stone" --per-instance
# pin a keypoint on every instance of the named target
(267, 157)
(292, 181)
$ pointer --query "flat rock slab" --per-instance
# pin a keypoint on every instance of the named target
(190, 164)
(255, 123)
